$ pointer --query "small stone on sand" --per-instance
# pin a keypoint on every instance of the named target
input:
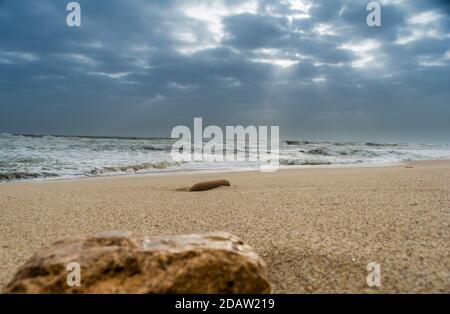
(208, 185)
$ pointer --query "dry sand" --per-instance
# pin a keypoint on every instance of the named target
(317, 229)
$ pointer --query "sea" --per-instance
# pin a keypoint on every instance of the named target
(45, 157)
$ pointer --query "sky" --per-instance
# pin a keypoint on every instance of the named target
(314, 68)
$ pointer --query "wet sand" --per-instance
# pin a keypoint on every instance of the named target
(317, 229)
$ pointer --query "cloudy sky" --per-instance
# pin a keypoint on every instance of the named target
(139, 68)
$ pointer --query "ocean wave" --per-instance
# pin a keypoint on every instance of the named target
(299, 142)
(7, 135)
(301, 162)
(8, 176)
(381, 145)
(7, 164)
(136, 167)
(319, 151)
(155, 149)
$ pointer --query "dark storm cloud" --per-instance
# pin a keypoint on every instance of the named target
(251, 31)
(142, 67)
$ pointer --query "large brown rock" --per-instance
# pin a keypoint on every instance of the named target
(116, 262)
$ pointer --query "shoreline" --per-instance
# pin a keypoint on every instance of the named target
(208, 171)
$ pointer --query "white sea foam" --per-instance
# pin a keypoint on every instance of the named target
(40, 157)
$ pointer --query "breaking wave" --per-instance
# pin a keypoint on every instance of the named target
(25, 175)
(136, 167)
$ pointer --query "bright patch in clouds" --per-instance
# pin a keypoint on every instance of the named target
(299, 5)
(211, 14)
(363, 46)
(79, 58)
(284, 63)
(425, 17)
(319, 79)
(10, 57)
(421, 26)
(115, 75)
(275, 57)
(365, 51)
(180, 86)
(412, 35)
(433, 60)
(324, 29)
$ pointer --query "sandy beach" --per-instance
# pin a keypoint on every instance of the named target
(317, 229)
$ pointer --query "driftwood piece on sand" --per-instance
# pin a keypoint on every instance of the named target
(208, 185)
